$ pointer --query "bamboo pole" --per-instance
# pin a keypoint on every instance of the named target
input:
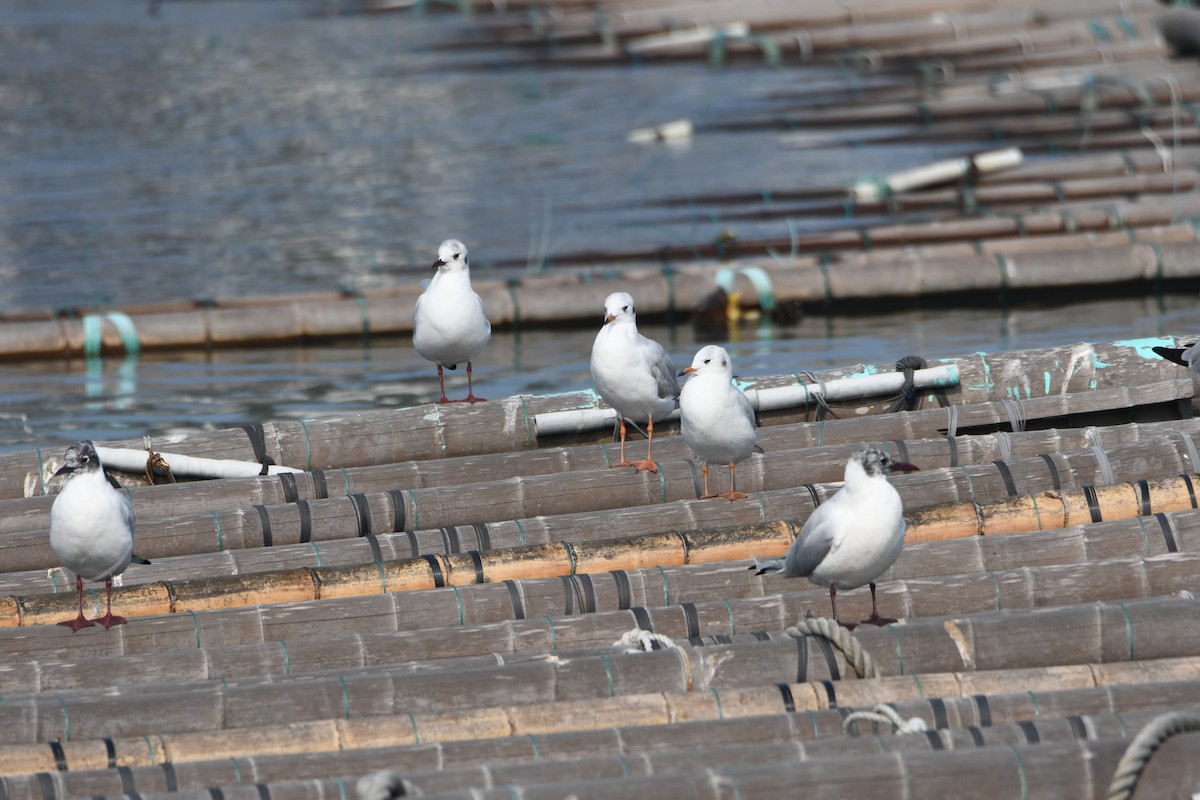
(356, 720)
(955, 520)
(687, 746)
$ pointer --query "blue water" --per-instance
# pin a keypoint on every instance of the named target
(183, 150)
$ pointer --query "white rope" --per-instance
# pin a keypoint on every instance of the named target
(1138, 753)
(883, 714)
(842, 639)
(643, 639)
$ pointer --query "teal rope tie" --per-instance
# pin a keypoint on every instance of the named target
(528, 426)
(93, 333)
(307, 443)
(66, 719)
(41, 471)
(353, 292)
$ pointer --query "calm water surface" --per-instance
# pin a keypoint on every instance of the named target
(192, 150)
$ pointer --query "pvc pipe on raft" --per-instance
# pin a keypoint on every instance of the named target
(128, 460)
(771, 399)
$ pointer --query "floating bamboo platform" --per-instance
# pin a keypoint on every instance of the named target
(473, 597)
(521, 614)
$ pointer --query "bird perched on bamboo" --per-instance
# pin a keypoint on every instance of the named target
(853, 537)
(449, 323)
(633, 374)
(717, 419)
(91, 528)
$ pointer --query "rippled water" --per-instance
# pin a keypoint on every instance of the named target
(180, 150)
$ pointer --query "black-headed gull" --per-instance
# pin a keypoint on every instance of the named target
(449, 324)
(853, 537)
(91, 528)
(717, 419)
(633, 374)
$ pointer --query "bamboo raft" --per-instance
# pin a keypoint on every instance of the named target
(472, 597)
(296, 631)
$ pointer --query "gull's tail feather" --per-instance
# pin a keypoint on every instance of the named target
(775, 565)
(1173, 354)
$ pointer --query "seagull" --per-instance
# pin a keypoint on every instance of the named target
(853, 537)
(717, 418)
(91, 528)
(633, 374)
(1184, 356)
(449, 324)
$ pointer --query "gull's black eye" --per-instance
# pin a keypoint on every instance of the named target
(708, 361)
(84, 459)
(624, 308)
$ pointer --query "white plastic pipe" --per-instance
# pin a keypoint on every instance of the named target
(866, 191)
(554, 423)
(128, 460)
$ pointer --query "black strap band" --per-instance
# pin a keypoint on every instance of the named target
(624, 589)
(643, 618)
(398, 513)
(477, 561)
(439, 580)
(1168, 534)
(1078, 728)
(482, 536)
(320, 485)
(1089, 494)
(1054, 479)
(305, 511)
(110, 749)
(789, 700)
(692, 618)
(514, 594)
(1143, 489)
(376, 553)
(1006, 476)
(984, 709)
(362, 510)
(264, 521)
(801, 659)
(258, 443)
(589, 592)
(291, 492)
(60, 757)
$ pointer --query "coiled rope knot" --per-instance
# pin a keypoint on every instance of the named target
(842, 639)
(636, 637)
(884, 714)
(1138, 753)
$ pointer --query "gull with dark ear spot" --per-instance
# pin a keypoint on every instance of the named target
(633, 374)
(854, 536)
(91, 528)
(449, 323)
(717, 419)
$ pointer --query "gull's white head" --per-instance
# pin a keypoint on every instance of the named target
(711, 359)
(80, 458)
(875, 462)
(452, 256)
(618, 306)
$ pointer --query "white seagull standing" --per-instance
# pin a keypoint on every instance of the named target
(91, 528)
(633, 374)
(717, 418)
(853, 537)
(449, 324)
